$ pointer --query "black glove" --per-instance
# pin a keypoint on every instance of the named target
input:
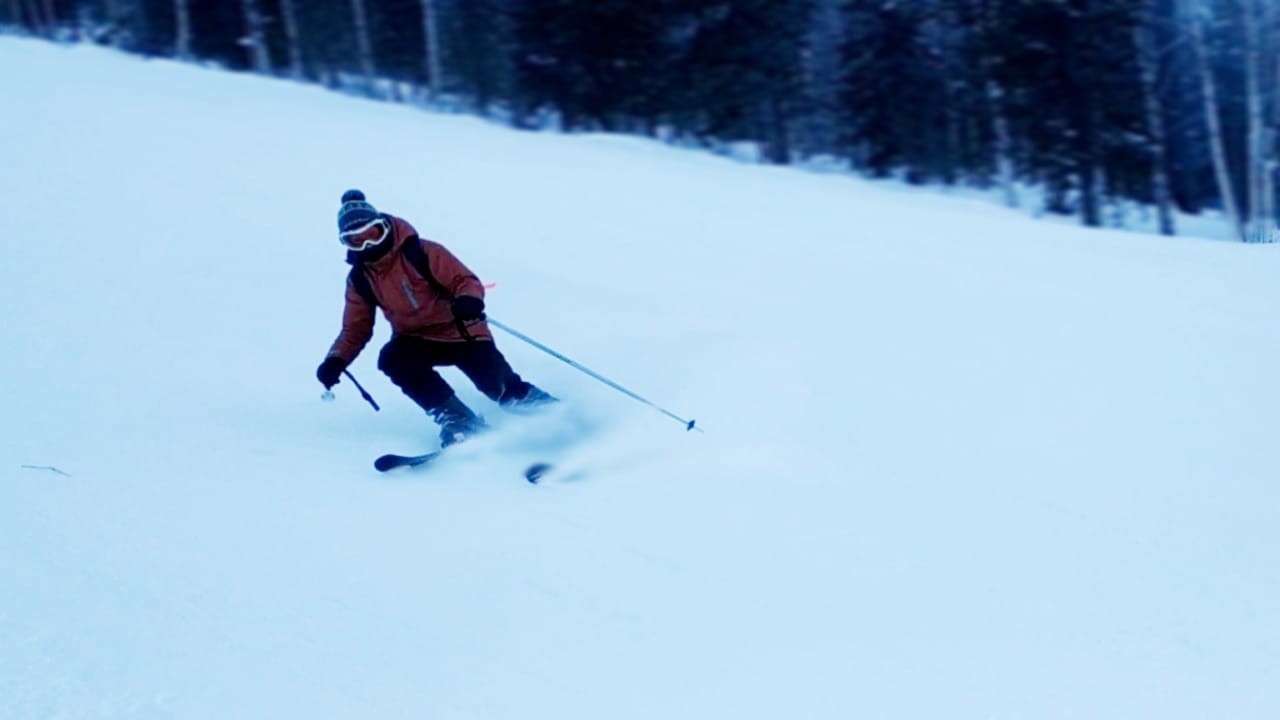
(330, 371)
(467, 308)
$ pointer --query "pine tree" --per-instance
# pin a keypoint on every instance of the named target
(1149, 63)
(398, 39)
(1095, 101)
(14, 12)
(591, 61)
(817, 123)
(182, 32)
(479, 49)
(743, 70)
(893, 94)
(255, 37)
(1074, 98)
(293, 38)
(431, 37)
(364, 41)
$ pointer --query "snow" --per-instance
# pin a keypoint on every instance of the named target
(957, 462)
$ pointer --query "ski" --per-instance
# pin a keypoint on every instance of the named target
(533, 473)
(391, 462)
(536, 471)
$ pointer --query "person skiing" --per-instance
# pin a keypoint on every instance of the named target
(436, 309)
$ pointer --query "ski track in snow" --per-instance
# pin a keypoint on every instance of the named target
(957, 463)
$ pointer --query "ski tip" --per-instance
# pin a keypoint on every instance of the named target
(534, 472)
(391, 462)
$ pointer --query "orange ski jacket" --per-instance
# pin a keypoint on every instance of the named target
(413, 304)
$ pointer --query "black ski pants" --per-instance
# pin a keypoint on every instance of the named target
(410, 362)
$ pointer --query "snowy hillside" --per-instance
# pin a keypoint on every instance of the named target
(957, 463)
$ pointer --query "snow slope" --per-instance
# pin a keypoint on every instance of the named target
(958, 463)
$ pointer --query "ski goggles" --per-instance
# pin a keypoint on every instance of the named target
(365, 236)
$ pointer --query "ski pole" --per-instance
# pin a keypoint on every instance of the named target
(688, 424)
(363, 394)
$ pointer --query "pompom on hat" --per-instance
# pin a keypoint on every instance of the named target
(355, 211)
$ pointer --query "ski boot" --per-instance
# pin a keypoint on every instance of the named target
(535, 400)
(457, 422)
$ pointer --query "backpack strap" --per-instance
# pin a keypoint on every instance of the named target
(360, 283)
(417, 257)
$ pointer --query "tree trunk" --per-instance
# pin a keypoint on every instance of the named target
(15, 12)
(1085, 122)
(778, 147)
(182, 15)
(122, 22)
(50, 14)
(1261, 147)
(1161, 193)
(1256, 226)
(35, 21)
(364, 45)
(987, 21)
(431, 31)
(1003, 145)
(1090, 170)
(1270, 160)
(113, 15)
(255, 37)
(293, 37)
(1217, 148)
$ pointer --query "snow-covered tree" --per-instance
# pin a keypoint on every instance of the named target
(293, 37)
(431, 31)
(364, 41)
(255, 38)
(1195, 20)
(1149, 62)
(182, 31)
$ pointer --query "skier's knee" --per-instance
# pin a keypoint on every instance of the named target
(393, 360)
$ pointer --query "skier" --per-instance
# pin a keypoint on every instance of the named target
(436, 309)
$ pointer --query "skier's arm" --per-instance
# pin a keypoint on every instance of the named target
(451, 273)
(357, 327)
